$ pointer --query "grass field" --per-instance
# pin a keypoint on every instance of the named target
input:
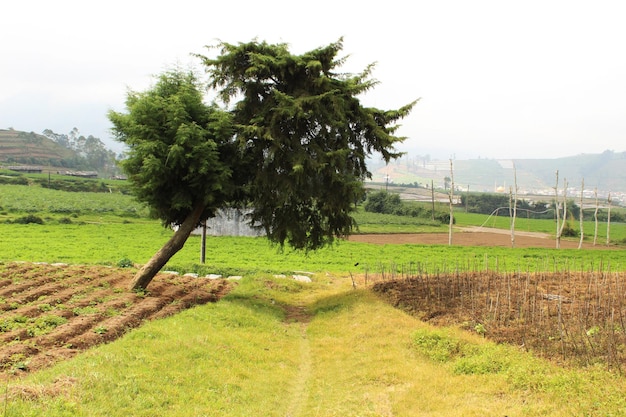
(277, 347)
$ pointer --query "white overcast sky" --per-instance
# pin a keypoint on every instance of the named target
(497, 78)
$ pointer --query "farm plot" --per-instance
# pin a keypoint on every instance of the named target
(570, 317)
(51, 312)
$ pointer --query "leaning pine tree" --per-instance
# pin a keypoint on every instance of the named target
(292, 147)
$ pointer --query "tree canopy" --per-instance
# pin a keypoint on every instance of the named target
(176, 148)
(305, 135)
(290, 143)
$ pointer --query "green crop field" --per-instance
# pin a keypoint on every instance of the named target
(104, 228)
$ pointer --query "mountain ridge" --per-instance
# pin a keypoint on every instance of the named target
(605, 172)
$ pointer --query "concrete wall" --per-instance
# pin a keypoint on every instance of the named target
(230, 222)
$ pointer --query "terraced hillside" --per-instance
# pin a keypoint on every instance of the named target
(22, 148)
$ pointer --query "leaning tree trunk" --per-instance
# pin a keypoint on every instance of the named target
(176, 243)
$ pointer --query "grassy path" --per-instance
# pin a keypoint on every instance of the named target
(300, 387)
(276, 347)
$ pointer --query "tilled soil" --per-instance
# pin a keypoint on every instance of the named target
(49, 313)
(475, 237)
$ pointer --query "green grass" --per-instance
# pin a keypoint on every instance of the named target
(617, 230)
(390, 223)
(16, 200)
(350, 354)
(108, 244)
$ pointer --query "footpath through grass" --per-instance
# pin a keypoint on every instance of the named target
(277, 347)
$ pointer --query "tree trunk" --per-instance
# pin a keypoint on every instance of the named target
(564, 219)
(608, 221)
(513, 209)
(556, 210)
(582, 215)
(176, 243)
(595, 217)
(432, 193)
(451, 196)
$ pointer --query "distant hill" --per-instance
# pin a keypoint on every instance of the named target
(22, 148)
(606, 171)
(52, 151)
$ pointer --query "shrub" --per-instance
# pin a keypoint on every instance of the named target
(568, 231)
(125, 263)
(383, 202)
(31, 218)
(437, 345)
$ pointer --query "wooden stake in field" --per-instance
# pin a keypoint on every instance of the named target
(582, 190)
(560, 224)
(451, 196)
(432, 193)
(608, 220)
(513, 206)
(595, 217)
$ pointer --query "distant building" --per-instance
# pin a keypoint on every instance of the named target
(26, 168)
(82, 174)
(230, 222)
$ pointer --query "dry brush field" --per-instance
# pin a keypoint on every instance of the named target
(571, 317)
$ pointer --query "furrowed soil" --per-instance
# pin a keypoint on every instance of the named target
(51, 312)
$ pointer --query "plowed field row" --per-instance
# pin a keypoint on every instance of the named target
(50, 312)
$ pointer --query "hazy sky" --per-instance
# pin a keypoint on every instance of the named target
(497, 79)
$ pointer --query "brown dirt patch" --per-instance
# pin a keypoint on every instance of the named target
(473, 237)
(52, 312)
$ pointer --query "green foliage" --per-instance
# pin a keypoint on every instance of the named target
(390, 203)
(13, 179)
(125, 263)
(569, 231)
(45, 324)
(383, 202)
(177, 159)
(75, 185)
(304, 137)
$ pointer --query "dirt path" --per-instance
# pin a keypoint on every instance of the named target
(297, 316)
